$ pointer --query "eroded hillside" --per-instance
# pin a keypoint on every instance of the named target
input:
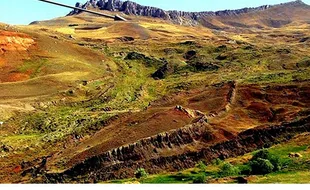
(88, 99)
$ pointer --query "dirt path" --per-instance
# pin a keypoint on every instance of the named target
(26, 107)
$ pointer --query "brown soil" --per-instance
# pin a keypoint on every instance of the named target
(248, 109)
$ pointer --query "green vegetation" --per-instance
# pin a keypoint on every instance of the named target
(228, 169)
(55, 124)
(201, 178)
(32, 67)
(264, 161)
(201, 166)
(141, 173)
(261, 166)
(287, 177)
(304, 63)
(169, 179)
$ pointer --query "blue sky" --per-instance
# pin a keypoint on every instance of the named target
(26, 11)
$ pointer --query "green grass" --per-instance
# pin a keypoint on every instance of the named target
(284, 151)
(279, 77)
(56, 123)
(21, 141)
(185, 177)
(168, 179)
(33, 66)
(288, 177)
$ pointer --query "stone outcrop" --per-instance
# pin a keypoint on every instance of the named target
(123, 161)
(178, 17)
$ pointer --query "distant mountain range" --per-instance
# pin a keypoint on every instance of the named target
(182, 17)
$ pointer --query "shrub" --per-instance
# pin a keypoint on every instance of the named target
(201, 166)
(276, 162)
(141, 173)
(245, 169)
(201, 178)
(261, 166)
(273, 159)
(228, 170)
(263, 154)
(217, 162)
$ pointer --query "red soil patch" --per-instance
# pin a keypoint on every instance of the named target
(14, 77)
(17, 169)
(211, 99)
(12, 41)
(14, 49)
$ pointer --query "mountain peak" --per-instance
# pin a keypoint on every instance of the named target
(297, 2)
(177, 17)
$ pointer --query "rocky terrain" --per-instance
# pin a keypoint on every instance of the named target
(122, 162)
(178, 17)
(181, 96)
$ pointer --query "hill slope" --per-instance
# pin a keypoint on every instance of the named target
(98, 95)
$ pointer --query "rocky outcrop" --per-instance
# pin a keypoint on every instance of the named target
(122, 162)
(178, 17)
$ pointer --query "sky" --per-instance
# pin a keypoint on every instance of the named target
(26, 11)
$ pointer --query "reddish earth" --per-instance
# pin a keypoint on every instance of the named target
(186, 146)
(12, 41)
(14, 49)
(230, 109)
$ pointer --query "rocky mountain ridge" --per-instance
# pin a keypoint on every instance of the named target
(177, 17)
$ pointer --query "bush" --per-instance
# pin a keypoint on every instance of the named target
(217, 162)
(141, 173)
(273, 159)
(263, 154)
(245, 169)
(261, 166)
(276, 162)
(201, 178)
(228, 170)
(201, 166)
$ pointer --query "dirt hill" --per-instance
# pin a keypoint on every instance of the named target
(82, 95)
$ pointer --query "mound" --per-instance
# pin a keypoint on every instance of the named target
(128, 29)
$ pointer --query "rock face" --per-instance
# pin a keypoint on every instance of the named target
(178, 17)
(150, 153)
